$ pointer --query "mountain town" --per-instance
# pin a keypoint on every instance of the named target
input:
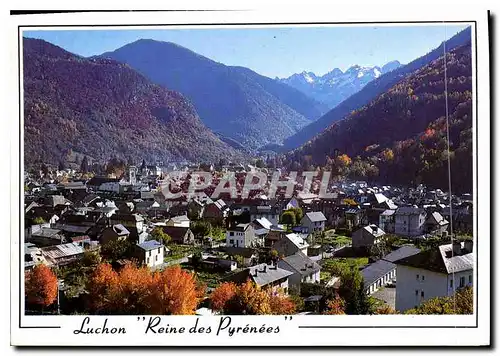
(158, 181)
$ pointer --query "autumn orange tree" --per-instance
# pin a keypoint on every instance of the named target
(250, 299)
(221, 295)
(174, 291)
(40, 286)
(137, 290)
(335, 306)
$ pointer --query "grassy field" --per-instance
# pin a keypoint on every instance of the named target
(331, 238)
(337, 266)
(180, 251)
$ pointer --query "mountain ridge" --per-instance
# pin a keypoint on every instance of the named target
(234, 101)
(103, 108)
(336, 85)
(370, 91)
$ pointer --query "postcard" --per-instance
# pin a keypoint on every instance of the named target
(250, 178)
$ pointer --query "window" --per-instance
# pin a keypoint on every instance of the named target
(149, 252)
(451, 283)
(417, 277)
(462, 282)
(156, 258)
(422, 294)
(147, 260)
(416, 291)
(231, 241)
(231, 233)
(423, 278)
(470, 278)
(159, 249)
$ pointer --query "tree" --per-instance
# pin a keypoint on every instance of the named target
(41, 286)
(385, 309)
(462, 302)
(288, 218)
(44, 169)
(174, 292)
(221, 295)
(249, 299)
(39, 220)
(100, 286)
(335, 306)
(281, 304)
(84, 166)
(387, 155)
(201, 228)
(137, 290)
(352, 291)
(260, 163)
(116, 249)
(159, 235)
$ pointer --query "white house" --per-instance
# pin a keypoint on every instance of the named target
(433, 273)
(313, 222)
(241, 235)
(303, 268)
(291, 244)
(179, 221)
(268, 277)
(150, 253)
(367, 236)
(409, 221)
(383, 271)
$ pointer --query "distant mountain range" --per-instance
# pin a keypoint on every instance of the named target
(370, 91)
(102, 108)
(336, 85)
(400, 136)
(235, 102)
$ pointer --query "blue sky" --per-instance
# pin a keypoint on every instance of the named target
(273, 51)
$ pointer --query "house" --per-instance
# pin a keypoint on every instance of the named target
(133, 222)
(114, 233)
(291, 244)
(241, 235)
(353, 217)
(32, 256)
(384, 271)
(46, 236)
(96, 182)
(179, 234)
(268, 277)
(367, 236)
(313, 222)
(292, 204)
(409, 221)
(179, 221)
(150, 253)
(60, 255)
(436, 224)
(433, 273)
(303, 268)
(386, 221)
(268, 212)
(249, 255)
(216, 211)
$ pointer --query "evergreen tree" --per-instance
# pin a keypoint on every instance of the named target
(84, 166)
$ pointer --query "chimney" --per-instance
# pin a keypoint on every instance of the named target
(264, 268)
(255, 273)
(468, 246)
(457, 247)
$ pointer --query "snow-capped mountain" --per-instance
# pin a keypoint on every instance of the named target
(336, 85)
